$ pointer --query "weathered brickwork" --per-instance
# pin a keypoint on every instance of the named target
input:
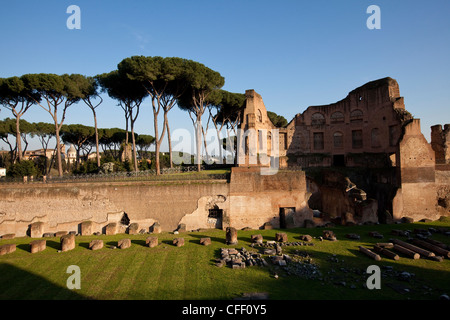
(369, 128)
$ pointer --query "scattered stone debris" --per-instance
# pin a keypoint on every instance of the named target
(352, 236)
(239, 258)
(253, 296)
(375, 234)
(329, 235)
(272, 244)
(301, 264)
(402, 233)
(405, 276)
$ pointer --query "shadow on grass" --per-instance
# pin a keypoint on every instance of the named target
(26, 285)
(84, 245)
(53, 244)
(139, 242)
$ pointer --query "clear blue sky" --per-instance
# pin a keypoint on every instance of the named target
(294, 53)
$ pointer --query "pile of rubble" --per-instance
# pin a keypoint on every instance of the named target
(239, 258)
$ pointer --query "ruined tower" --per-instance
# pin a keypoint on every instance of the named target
(440, 142)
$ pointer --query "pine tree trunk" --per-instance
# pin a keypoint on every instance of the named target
(19, 154)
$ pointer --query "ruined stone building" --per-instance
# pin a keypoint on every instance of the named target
(362, 159)
(440, 142)
(370, 128)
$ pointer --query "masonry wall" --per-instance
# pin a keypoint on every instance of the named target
(367, 121)
(62, 207)
(440, 142)
(256, 199)
(248, 200)
(417, 166)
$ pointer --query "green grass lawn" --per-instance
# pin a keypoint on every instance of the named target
(167, 272)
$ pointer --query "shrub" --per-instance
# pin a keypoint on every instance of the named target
(22, 169)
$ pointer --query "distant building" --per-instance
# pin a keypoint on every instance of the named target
(32, 154)
(71, 155)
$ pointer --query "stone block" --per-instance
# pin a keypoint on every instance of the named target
(60, 233)
(205, 241)
(133, 228)
(151, 242)
(306, 238)
(178, 242)
(9, 236)
(67, 242)
(36, 229)
(48, 235)
(38, 246)
(124, 243)
(257, 238)
(7, 248)
(231, 236)
(86, 228)
(329, 235)
(111, 229)
(281, 237)
(156, 228)
(96, 244)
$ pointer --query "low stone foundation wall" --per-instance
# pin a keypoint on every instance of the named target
(248, 200)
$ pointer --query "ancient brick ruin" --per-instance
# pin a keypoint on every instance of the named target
(370, 128)
(440, 142)
(360, 160)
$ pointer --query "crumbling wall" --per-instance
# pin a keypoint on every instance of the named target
(417, 168)
(62, 207)
(443, 192)
(342, 201)
(249, 200)
(257, 199)
(440, 142)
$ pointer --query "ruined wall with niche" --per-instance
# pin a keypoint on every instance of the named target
(248, 200)
(368, 121)
(256, 199)
(370, 128)
(62, 207)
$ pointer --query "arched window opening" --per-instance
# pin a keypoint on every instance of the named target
(317, 119)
